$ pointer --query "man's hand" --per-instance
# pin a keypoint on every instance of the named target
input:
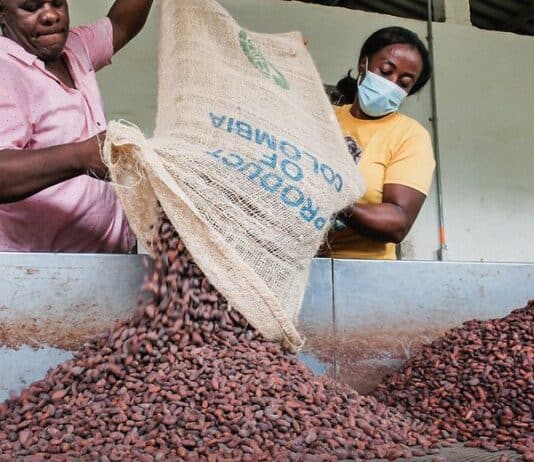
(24, 173)
(91, 162)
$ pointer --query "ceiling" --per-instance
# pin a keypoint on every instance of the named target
(504, 15)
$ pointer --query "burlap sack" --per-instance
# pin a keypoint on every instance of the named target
(247, 160)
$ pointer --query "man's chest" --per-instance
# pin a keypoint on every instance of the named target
(62, 113)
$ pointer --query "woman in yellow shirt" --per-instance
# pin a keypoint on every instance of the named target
(393, 151)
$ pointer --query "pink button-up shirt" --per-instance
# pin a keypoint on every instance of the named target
(38, 111)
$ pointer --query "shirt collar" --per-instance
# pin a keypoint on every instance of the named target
(18, 52)
(12, 48)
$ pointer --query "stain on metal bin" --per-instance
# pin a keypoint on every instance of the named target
(67, 332)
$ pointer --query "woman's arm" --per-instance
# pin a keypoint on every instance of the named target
(127, 17)
(389, 221)
(24, 173)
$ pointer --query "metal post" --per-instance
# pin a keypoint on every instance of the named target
(334, 317)
(442, 236)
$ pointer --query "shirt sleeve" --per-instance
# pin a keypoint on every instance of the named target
(413, 164)
(97, 39)
(15, 127)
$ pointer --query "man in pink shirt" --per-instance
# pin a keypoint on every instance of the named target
(52, 197)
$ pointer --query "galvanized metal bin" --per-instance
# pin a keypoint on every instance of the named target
(362, 319)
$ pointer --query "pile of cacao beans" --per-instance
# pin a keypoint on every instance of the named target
(189, 379)
(476, 384)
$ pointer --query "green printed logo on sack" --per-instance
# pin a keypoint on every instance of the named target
(255, 56)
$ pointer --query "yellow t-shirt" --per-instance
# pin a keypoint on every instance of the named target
(395, 149)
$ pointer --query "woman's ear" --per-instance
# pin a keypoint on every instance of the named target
(362, 66)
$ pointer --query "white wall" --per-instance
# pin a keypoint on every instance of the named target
(129, 86)
(484, 109)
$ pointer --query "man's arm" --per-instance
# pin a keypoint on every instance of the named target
(23, 174)
(127, 17)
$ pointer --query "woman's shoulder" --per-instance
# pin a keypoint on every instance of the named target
(344, 117)
(341, 110)
(410, 126)
(407, 137)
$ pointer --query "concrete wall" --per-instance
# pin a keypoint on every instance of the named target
(129, 86)
(483, 102)
(486, 108)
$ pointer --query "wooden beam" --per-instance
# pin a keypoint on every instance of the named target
(521, 19)
(457, 11)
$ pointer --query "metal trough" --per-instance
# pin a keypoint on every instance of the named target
(362, 319)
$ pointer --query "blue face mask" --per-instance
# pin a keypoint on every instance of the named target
(379, 96)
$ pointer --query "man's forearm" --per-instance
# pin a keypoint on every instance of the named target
(128, 18)
(25, 173)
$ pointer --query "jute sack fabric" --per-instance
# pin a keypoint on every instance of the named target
(247, 160)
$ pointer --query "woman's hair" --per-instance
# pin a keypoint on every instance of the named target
(348, 86)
